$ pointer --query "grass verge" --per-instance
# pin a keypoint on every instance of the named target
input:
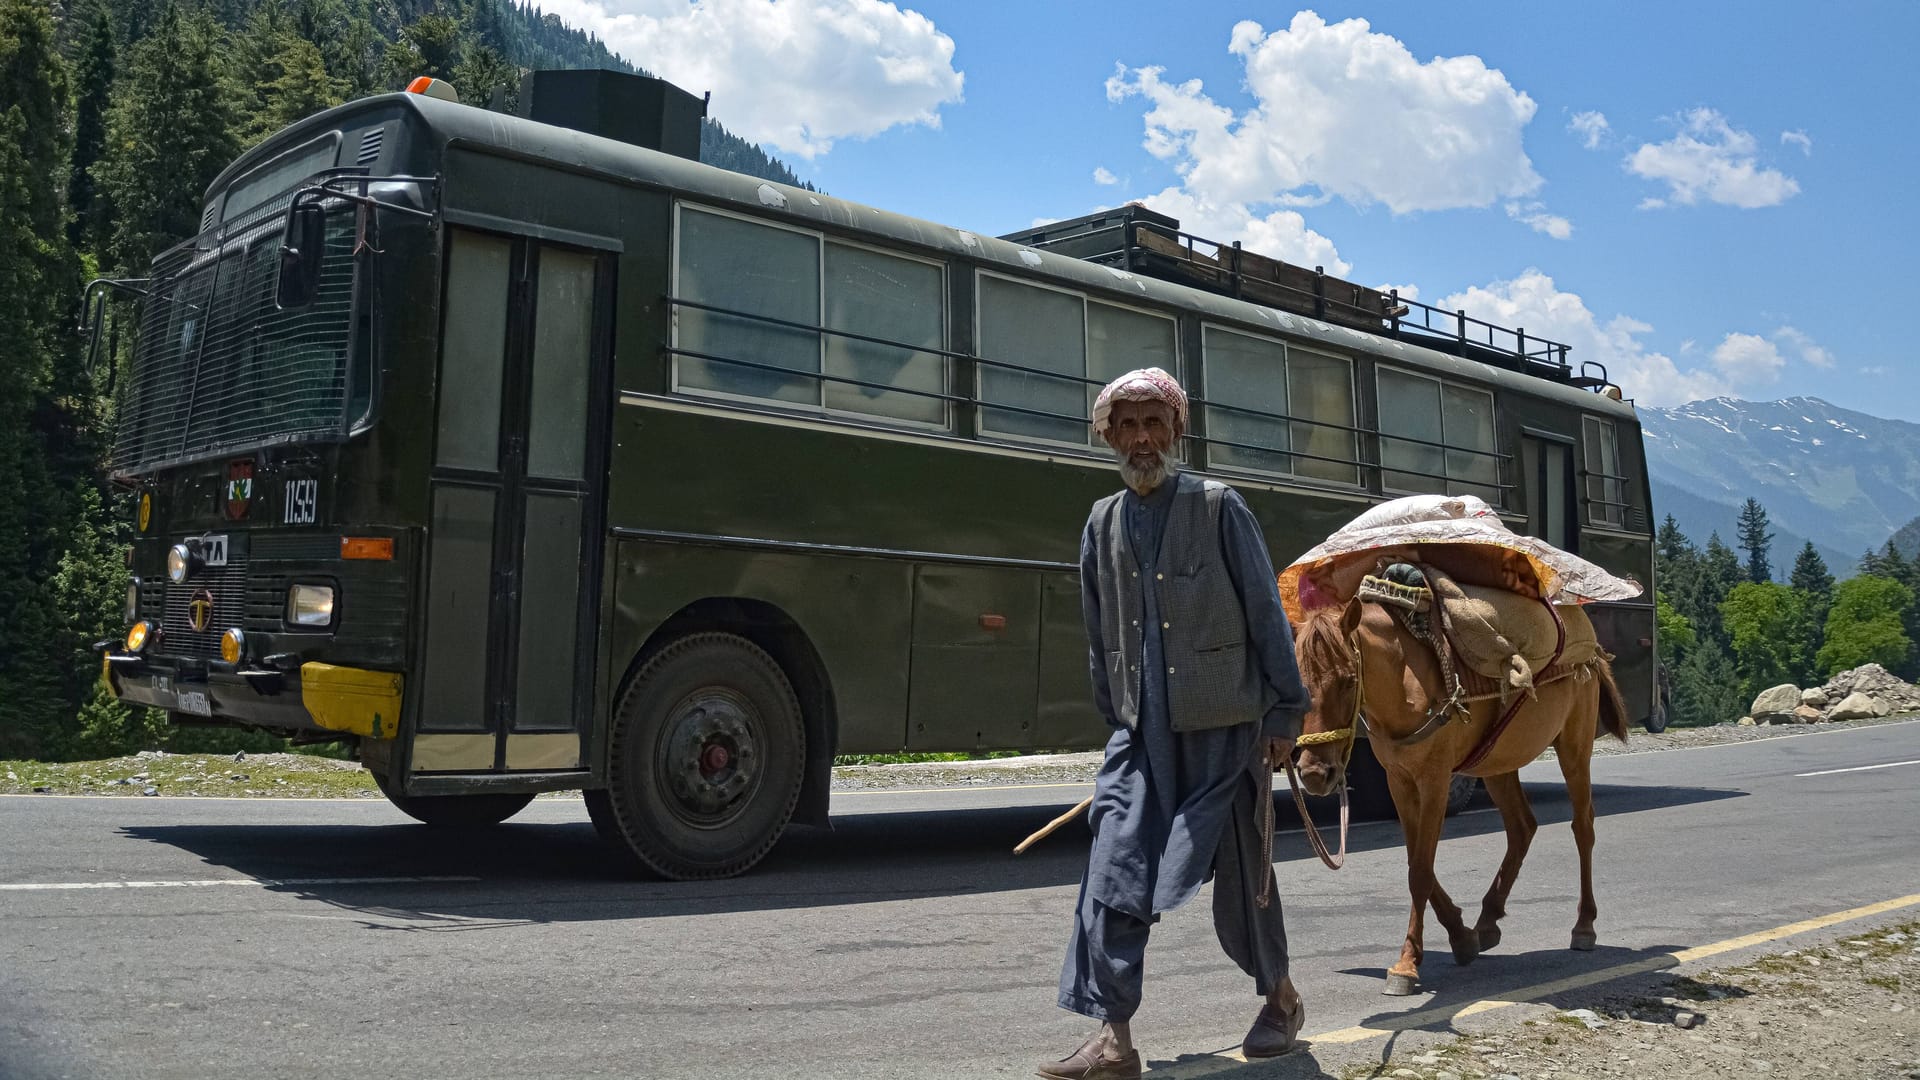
(153, 772)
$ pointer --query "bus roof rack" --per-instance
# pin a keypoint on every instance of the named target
(1138, 240)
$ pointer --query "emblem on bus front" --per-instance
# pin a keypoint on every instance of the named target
(239, 488)
(200, 610)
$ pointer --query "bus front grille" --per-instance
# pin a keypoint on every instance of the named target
(228, 587)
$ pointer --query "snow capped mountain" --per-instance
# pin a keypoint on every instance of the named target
(1843, 479)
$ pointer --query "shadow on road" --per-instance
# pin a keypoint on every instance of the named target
(1603, 981)
(562, 872)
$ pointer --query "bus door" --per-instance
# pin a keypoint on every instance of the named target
(515, 548)
(1546, 462)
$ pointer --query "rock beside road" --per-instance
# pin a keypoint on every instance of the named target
(1865, 692)
(1858, 706)
(1775, 705)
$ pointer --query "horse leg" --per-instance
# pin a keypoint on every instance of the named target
(1420, 820)
(1464, 939)
(1511, 800)
(1576, 761)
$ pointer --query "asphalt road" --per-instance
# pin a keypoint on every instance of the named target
(176, 937)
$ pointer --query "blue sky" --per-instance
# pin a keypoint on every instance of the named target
(1709, 198)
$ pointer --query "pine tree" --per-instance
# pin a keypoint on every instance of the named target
(301, 88)
(482, 71)
(1755, 540)
(37, 279)
(93, 87)
(170, 131)
(1706, 690)
(1814, 585)
(1720, 571)
(1886, 563)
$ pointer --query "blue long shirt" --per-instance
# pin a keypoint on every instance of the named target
(1161, 799)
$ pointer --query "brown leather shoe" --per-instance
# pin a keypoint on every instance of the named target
(1274, 1033)
(1094, 1061)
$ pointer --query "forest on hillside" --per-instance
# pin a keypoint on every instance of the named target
(1728, 629)
(115, 116)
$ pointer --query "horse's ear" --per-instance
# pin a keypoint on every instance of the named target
(1350, 618)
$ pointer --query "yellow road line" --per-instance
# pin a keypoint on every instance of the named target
(1525, 995)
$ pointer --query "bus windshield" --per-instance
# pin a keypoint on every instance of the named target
(217, 366)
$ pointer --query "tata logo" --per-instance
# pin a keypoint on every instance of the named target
(239, 489)
(200, 610)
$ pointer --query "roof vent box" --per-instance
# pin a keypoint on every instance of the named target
(634, 109)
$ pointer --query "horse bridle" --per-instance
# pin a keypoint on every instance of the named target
(1348, 734)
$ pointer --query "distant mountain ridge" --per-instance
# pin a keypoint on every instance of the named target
(1843, 479)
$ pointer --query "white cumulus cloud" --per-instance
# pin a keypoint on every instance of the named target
(795, 74)
(1710, 159)
(1592, 127)
(1282, 234)
(1808, 349)
(1345, 111)
(1536, 217)
(1338, 111)
(1642, 372)
(1748, 359)
(1798, 138)
(1103, 177)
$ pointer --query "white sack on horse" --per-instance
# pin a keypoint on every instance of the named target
(1463, 536)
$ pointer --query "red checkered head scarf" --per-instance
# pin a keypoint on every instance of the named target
(1143, 384)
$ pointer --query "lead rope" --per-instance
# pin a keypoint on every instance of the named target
(1334, 862)
(1266, 823)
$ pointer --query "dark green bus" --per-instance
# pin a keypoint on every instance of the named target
(527, 454)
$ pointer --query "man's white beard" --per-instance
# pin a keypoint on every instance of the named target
(1145, 478)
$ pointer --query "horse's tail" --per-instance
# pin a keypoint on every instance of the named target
(1613, 708)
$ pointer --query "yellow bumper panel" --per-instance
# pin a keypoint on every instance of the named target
(352, 700)
(106, 676)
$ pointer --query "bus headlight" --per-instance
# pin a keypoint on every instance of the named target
(310, 605)
(132, 611)
(182, 561)
(137, 636)
(233, 645)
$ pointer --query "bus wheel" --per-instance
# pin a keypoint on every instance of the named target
(1657, 719)
(1460, 793)
(705, 764)
(453, 811)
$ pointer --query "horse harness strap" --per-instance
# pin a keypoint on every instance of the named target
(1480, 752)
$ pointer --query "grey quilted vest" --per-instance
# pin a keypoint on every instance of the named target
(1213, 678)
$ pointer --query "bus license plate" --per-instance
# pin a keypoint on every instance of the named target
(194, 702)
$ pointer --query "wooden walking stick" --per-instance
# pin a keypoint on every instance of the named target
(1047, 829)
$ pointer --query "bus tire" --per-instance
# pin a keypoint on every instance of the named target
(706, 759)
(1460, 791)
(1662, 706)
(453, 811)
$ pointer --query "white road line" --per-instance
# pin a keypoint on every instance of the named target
(1858, 768)
(259, 883)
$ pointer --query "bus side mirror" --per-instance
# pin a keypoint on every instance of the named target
(301, 248)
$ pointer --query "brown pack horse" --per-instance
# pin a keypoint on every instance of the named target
(1359, 661)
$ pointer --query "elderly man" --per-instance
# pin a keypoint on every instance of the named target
(1193, 667)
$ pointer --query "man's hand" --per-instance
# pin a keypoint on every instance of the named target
(1279, 749)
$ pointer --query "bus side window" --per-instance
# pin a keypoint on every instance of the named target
(1606, 489)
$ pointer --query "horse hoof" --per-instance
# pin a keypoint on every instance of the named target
(1584, 940)
(1466, 948)
(1489, 937)
(1400, 985)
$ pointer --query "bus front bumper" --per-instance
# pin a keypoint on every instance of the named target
(310, 698)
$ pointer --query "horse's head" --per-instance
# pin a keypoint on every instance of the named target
(1330, 667)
